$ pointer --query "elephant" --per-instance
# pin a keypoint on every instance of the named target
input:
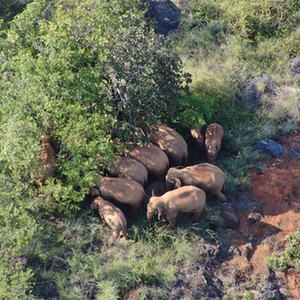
(206, 176)
(197, 136)
(132, 169)
(155, 160)
(112, 216)
(172, 143)
(213, 139)
(186, 199)
(156, 187)
(121, 190)
(46, 159)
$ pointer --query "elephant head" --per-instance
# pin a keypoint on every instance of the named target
(154, 208)
(172, 180)
(213, 138)
(212, 151)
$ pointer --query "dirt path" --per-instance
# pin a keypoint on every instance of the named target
(278, 186)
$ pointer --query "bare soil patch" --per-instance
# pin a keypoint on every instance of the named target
(278, 187)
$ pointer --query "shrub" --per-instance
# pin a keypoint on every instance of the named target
(86, 73)
(290, 258)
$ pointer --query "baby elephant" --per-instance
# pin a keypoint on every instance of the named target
(213, 139)
(112, 216)
(187, 199)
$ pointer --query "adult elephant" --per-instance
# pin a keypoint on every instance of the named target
(131, 169)
(121, 190)
(172, 143)
(154, 159)
(213, 139)
(206, 176)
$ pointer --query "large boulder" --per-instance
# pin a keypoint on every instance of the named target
(257, 87)
(166, 15)
(270, 147)
(294, 153)
(295, 66)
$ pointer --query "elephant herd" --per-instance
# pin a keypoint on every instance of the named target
(156, 176)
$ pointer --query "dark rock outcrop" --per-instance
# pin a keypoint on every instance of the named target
(270, 147)
(257, 87)
(295, 66)
(165, 14)
(294, 153)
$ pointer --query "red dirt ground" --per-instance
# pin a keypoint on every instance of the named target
(279, 187)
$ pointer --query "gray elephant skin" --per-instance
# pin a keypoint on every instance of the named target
(213, 139)
(122, 190)
(154, 159)
(172, 143)
(130, 168)
(206, 176)
(187, 199)
(112, 216)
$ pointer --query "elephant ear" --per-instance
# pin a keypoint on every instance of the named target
(177, 183)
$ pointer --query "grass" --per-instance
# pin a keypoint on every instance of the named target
(79, 258)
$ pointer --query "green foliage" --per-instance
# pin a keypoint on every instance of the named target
(249, 19)
(223, 46)
(80, 257)
(86, 73)
(10, 8)
(290, 258)
(248, 296)
(17, 228)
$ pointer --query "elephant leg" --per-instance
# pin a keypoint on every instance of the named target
(134, 211)
(196, 217)
(172, 220)
(116, 234)
(220, 196)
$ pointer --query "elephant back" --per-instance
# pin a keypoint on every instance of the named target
(153, 158)
(205, 176)
(121, 190)
(172, 143)
(130, 168)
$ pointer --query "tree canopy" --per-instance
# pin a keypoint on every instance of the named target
(85, 72)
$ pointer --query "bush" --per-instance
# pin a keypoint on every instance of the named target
(290, 258)
(86, 73)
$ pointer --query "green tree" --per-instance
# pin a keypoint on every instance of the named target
(86, 72)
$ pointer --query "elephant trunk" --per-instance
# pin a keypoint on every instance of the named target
(149, 216)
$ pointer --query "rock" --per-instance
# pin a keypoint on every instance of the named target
(254, 218)
(267, 274)
(234, 251)
(166, 15)
(295, 66)
(270, 147)
(272, 295)
(248, 249)
(231, 219)
(258, 86)
(252, 239)
(293, 153)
